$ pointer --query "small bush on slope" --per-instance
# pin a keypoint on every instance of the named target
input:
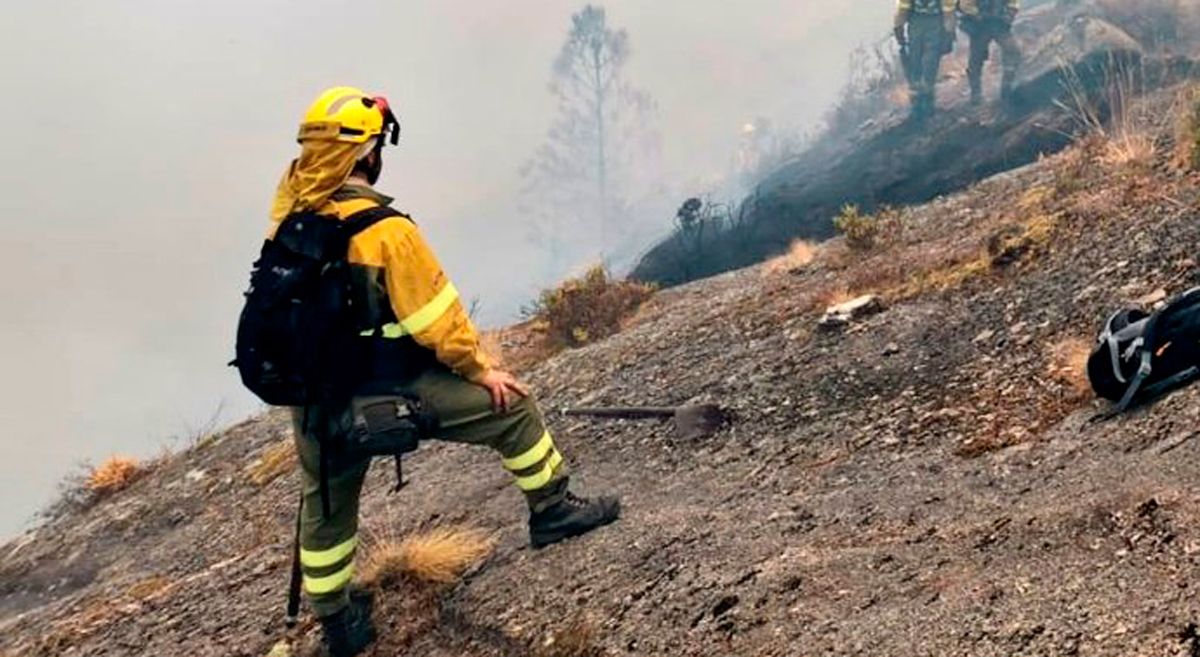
(864, 232)
(588, 308)
(1187, 130)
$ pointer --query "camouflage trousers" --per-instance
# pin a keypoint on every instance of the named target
(464, 414)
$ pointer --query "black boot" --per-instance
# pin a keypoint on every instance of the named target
(349, 632)
(571, 517)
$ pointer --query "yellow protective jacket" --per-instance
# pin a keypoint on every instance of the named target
(412, 311)
(906, 8)
(989, 9)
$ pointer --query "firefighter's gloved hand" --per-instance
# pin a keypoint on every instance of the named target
(901, 37)
(503, 387)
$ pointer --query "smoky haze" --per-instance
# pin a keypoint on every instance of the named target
(145, 138)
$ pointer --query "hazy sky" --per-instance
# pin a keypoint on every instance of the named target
(145, 137)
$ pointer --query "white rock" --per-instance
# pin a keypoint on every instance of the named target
(842, 314)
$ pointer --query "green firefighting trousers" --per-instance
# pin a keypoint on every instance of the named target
(983, 31)
(927, 42)
(464, 414)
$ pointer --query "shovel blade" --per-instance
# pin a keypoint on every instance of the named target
(699, 421)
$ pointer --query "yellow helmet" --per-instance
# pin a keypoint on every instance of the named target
(349, 115)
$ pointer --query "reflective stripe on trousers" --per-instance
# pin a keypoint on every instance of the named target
(330, 570)
(535, 467)
(423, 318)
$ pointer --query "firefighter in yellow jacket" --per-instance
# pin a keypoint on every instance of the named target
(924, 30)
(424, 348)
(986, 21)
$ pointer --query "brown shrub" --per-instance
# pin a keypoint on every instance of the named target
(438, 556)
(588, 308)
(864, 232)
(276, 460)
(114, 475)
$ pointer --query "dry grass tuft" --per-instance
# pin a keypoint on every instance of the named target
(114, 475)
(1107, 116)
(588, 308)
(1068, 365)
(798, 256)
(438, 556)
(276, 460)
(1130, 150)
(576, 639)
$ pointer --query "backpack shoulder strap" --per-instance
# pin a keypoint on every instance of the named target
(364, 219)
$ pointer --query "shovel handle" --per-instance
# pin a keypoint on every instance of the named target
(625, 413)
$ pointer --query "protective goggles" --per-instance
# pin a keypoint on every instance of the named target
(391, 126)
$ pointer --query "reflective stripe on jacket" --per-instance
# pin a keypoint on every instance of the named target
(413, 298)
(906, 7)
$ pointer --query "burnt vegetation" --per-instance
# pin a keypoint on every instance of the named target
(1090, 55)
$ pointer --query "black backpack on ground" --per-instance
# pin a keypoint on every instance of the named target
(296, 335)
(1140, 355)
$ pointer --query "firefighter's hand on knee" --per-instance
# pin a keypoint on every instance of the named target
(502, 386)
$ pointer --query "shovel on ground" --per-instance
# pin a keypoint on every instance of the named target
(695, 421)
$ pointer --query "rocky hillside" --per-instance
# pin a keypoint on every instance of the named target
(923, 481)
(874, 158)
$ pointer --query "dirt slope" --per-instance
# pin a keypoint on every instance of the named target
(922, 483)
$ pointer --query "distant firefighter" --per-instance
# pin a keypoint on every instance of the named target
(986, 21)
(756, 146)
(924, 30)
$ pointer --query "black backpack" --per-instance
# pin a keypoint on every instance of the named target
(296, 338)
(298, 345)
(1141, 355)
